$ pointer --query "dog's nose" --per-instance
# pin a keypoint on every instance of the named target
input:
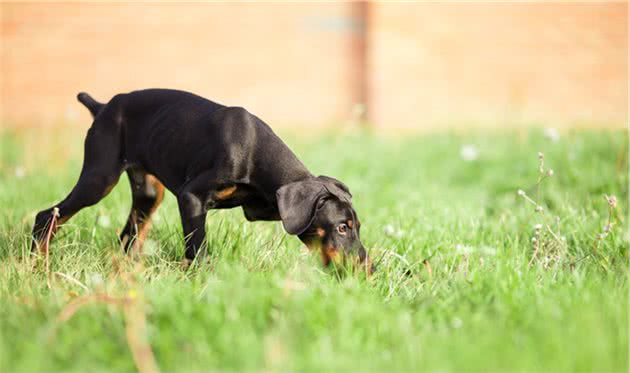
(365, 260)
(362, 254)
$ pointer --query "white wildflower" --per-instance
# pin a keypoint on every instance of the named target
(104, 221)
(463, 249)
(95, 280)
(468, 153)
(487, 250)
(20, 172)
(150, 247)
(552, 134)
(390, 230)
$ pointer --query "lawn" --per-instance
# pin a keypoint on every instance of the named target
(471, 277)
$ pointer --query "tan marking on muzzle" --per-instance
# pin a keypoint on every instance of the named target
(321, 232)
(331, 254)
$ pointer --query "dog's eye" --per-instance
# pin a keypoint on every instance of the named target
(342, 228)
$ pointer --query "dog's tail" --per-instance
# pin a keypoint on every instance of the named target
(93, 106)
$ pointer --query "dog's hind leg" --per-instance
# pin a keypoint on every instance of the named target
(147, 194)
(102, 166)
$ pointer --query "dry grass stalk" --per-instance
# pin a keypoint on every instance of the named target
(132, 305)
(71, 308)
(136, 331)
(547, 245)
(46, 245)
(72, 279)
(427, 266)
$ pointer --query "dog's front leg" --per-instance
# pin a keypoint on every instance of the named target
(193, 214)
(194, 199)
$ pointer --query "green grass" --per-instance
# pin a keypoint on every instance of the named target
(263, 303)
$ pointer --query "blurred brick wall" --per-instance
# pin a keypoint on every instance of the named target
(439, 64)
(288, 63)
(413, 65)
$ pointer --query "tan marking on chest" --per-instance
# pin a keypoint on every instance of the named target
(226, 193)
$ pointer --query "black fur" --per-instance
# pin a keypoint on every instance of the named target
(210, 156)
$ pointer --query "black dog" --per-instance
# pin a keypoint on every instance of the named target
(209, 156)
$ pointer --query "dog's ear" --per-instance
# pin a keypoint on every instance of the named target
(336, 188)
(297, 203)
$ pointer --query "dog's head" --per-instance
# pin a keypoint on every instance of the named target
(319, 211)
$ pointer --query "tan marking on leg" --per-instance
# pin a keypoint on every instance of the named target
(63, 219)
(225, 193)
(109, 188)
(145, 225)
(159, 192)
(185, 264)
(138, 243)
(124, 241)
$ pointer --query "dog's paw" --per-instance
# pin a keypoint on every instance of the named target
(185, 264)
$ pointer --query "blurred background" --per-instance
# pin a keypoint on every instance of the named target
(412, 66)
